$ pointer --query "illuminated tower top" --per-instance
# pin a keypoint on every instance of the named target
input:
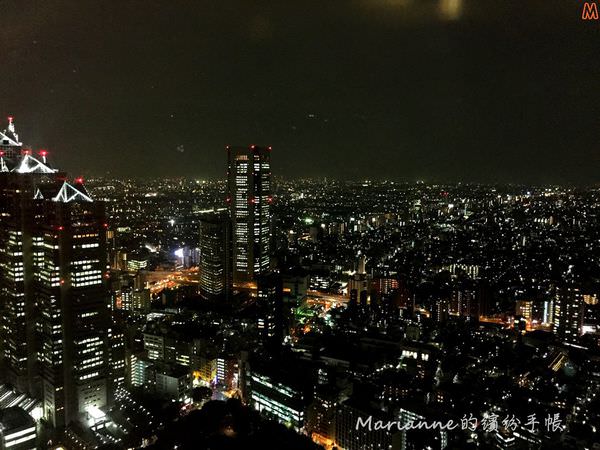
(10, 144)
(15, 158)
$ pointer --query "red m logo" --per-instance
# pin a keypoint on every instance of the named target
(590, 11)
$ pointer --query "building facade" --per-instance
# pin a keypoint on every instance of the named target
(249, 200)
(568, 314)
(54, 301)
(73, 299)
(269, 298)
(280, 401)
(215, 255)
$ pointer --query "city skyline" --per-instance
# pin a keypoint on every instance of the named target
(130, 310)
(448, 90)
(339, 225)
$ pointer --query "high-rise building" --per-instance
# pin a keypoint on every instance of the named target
(568, 314)
(117, 354)
(72, 295)
(591, 313)
(20, 173)
(440, 310)
(215, 255)
(269, 293)
(321, 413)
(359, 284)
(249, 199)
(54, 298)
(464, 302)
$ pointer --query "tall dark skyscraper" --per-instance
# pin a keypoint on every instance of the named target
(269, 293)
(249, 199)
(53, 289)
(215, 255)
(17, 333)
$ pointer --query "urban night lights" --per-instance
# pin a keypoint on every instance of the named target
(413, 264)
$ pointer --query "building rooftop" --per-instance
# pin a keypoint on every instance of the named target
(14, 417)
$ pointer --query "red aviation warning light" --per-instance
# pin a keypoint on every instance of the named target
(43, 153)
(79, 180)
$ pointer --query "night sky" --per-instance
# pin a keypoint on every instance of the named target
(440, 90)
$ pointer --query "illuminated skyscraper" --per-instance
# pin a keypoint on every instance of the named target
(53, 294)
(20, 173)
(72, 295)
(13, 342)
(568, 314)
(215, 255)
(249, 199)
